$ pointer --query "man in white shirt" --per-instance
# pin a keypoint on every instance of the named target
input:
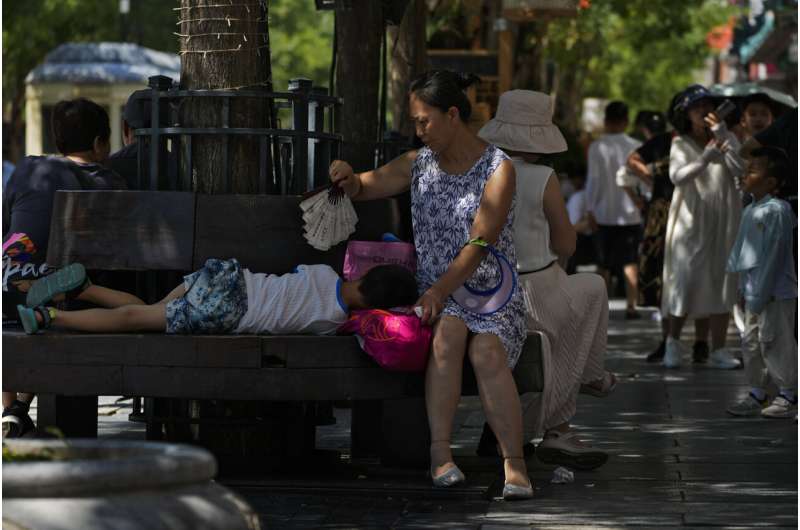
(617, 217)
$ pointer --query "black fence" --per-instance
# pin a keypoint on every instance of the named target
(292, 160)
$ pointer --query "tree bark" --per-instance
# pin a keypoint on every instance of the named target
(408, 60)
(225, 47)
(359, 30)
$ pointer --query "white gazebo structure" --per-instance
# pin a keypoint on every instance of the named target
(105, 72)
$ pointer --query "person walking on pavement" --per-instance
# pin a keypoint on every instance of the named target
(618, 218)
(703, 220)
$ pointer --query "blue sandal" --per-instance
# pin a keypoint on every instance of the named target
(69, 281)
(27, 316)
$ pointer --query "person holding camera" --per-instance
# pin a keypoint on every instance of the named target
(701, 228)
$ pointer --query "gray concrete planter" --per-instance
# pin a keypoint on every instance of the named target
(119, 485)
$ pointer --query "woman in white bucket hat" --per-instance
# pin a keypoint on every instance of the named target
(570, 311)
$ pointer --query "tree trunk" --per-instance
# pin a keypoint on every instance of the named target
(359, 30)
(225, 47)
(408, 60)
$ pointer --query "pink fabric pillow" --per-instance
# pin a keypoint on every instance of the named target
(361, 256)
(396, 341)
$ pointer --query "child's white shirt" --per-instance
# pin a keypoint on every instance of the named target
(306, 301)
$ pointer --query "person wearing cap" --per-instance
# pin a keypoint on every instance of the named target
(649, 165)
(618, 218)
(701, 229)
(135, 115)
(571, 311)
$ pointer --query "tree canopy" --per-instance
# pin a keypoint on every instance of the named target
(640, 51)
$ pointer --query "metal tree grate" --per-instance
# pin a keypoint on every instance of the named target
(291, 161)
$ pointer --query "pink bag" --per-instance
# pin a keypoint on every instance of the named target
(361, 256)
(396, 341)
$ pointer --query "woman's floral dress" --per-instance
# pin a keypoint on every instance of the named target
(443, 207)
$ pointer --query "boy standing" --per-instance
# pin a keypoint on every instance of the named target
(762, 255)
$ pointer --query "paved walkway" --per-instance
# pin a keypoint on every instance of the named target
(678, 461)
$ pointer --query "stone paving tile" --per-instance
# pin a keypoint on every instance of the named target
(677, 461)
(735, 492)
(745, 514)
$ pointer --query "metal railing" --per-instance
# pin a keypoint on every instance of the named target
(291, 160)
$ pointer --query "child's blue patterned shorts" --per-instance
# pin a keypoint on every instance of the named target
(215, 300)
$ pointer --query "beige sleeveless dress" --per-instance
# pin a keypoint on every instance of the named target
(570, 311)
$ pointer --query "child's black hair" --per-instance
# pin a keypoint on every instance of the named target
(76, 123)
(444, 89)
(616, 112)
(759, 98)
(777, 162)
(387, 286)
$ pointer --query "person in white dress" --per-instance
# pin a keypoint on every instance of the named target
(570, 311)
(701, 229)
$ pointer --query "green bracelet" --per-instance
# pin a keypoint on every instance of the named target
(479, 241)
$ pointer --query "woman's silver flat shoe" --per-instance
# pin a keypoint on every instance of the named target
(451, 477)
(512, 492)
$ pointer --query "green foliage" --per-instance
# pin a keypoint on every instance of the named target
(34, 27)
(301, 40)
(41, 455)
(640, 51)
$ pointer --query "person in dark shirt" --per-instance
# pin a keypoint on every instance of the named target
(125, 162)
(783, 134)
(81, 132)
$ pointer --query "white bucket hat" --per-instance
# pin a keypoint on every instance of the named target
(524, 122)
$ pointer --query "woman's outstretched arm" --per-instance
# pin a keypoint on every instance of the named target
(385, 181)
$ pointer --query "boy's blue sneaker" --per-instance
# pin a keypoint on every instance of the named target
(69, 281)
(781, 408)
(749, 406)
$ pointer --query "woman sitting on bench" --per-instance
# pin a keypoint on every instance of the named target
(222, 297)
(462, 188)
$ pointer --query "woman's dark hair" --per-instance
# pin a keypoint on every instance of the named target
(76, 123)
(444, 89)
(388, 286)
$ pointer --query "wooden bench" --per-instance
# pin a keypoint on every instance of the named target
(178, 231)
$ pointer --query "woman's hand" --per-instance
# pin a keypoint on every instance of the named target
(712, 120)
(712, 151)
(432, 303)
(342, 174)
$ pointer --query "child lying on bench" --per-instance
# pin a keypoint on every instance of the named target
(222, 297)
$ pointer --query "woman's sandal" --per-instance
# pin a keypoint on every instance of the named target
(513, 492)
(562, 449)
(607, 385)
(449, 478)
(27, 316)
(17, 426)
(70, 281)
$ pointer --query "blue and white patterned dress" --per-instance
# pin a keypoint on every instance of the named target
(443, 207)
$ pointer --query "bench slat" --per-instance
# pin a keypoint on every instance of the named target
(269, 367)
(122, 230)
(265, 232)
